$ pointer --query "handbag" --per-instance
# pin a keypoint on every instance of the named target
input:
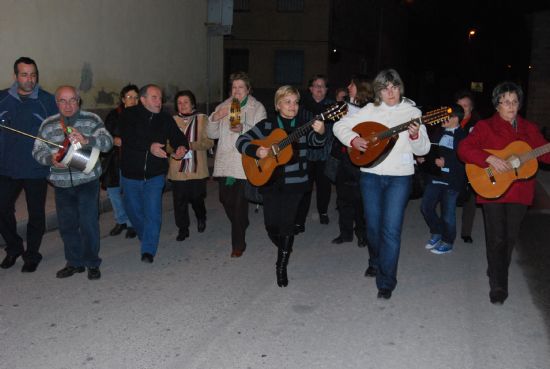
(252, 193)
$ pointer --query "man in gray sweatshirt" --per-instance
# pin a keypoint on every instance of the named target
(76, 192)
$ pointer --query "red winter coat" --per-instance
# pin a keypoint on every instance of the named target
(495, 133)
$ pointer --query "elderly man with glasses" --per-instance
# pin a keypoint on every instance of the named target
(76, 192)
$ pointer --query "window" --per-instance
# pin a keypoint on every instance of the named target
(290, 6)
(289, 67)
(241, 5)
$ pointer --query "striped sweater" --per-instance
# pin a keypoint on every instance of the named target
(89, 125)
(294, 173)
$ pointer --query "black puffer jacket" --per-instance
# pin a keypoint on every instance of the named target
(139, 128)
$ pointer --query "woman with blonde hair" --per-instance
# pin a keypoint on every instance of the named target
(282, 194)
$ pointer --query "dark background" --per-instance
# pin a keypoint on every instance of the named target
(428, 42)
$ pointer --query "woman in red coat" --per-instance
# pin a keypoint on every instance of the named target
(504, 214)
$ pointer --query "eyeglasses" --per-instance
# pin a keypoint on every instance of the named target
(319, 86)
(71, 101)
(509, 103)
(131, 97)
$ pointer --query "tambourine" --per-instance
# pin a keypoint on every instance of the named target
(235, 113)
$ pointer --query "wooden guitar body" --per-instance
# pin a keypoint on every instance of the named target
(259, 171)
(381, 139)
(377, 148)
(487, 183)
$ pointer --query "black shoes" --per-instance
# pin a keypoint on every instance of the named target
(467, 239)
(94, 273)
(69, 271)
(147, 258)
(8, 261)
(182, 234)
(131, 233)
(323, 218)
(201, 225)
(280, 268)
(370, 272)
(299, 228)
(29, 267)
(498, 296)
(384, 294)
(361, 241)
(338, 240)
(117, 229)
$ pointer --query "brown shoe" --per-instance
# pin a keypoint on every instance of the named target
(237, 253)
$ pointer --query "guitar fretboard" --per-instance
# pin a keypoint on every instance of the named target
(535, 153)
(298, 132)
(432, 117)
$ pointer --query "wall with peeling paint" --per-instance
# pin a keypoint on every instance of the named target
(101, 45)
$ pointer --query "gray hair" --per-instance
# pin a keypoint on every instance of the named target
(76, 93)
(382, 80)
(502, 88)
(143, 91)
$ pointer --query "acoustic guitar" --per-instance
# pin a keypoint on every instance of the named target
(259, 171)
(489, 183)
(381, 139)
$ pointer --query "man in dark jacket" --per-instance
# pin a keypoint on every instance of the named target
(144, 131)
(23, 107)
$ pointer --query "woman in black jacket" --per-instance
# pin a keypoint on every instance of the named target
(282, 194)
(110, 179)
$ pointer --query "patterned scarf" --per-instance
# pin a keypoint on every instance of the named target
(189, 165)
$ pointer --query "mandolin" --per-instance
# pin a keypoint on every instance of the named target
(489, 183)
(381, 139)
(259, 171)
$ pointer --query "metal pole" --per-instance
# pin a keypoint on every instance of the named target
(31, 136)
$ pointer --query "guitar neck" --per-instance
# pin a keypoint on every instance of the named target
(430, 118)
(535, 153)
(397, 129)
(299, 132)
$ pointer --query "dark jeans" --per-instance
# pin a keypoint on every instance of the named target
(316, 174)
(502, 225)
(385, 199)
(188, 192)
(444, 224)
(468, 215)
(35, 194)
(350, 209)
(280, 211)
(236, 209)
(77, 215)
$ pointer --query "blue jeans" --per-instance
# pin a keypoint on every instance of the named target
(445, 225)
(77, 217)
(384, 200)
(143, 204)
(115, 195)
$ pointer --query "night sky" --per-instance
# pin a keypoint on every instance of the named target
(444, 58)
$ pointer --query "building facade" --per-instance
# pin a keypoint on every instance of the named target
(101, 45)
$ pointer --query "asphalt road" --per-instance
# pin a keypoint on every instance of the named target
(195, 307)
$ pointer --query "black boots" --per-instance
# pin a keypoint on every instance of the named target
(284, 249)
